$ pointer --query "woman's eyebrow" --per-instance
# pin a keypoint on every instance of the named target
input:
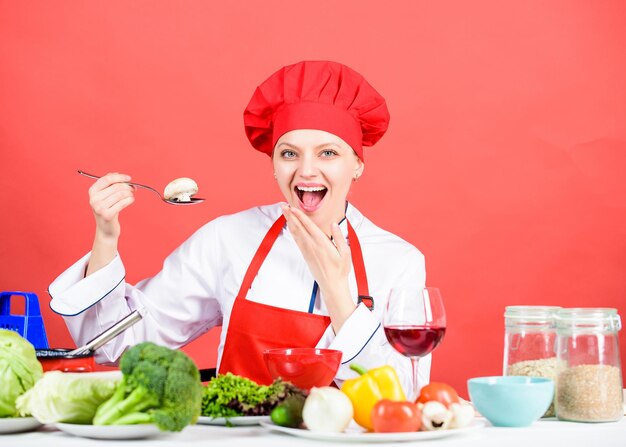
(327, 145)
(293, 146)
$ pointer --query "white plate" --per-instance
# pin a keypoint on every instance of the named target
(234, 420)
(110, 431)
(355, 433)
(17, 425)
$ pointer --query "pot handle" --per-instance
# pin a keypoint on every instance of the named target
(111, 332)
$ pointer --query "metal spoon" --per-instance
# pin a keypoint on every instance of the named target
(192, 200)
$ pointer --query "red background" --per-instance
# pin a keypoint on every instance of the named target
(503, 163)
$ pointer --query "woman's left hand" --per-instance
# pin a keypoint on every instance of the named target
(329, 260)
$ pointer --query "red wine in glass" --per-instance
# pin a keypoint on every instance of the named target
(414, 323)
(414, 341)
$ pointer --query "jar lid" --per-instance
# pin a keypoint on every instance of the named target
(590, 318)
(531, 313)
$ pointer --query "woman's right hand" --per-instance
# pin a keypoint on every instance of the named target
(109, 195)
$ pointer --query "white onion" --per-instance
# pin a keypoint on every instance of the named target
(327, 409)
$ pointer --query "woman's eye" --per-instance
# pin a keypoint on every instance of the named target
(328, 153)
(288, 154)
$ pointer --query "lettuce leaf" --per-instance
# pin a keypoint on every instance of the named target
(228, 395)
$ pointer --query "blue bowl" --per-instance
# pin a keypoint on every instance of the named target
(511, 401)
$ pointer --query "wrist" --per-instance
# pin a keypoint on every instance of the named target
(340, 306)
(106, 238)
(103, 252)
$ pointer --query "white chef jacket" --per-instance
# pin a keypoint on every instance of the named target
(196, 289)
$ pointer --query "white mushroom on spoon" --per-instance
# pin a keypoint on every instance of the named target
(177, 192)
(180, 190)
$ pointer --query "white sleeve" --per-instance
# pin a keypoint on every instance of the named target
(180, 301)
(362, 338)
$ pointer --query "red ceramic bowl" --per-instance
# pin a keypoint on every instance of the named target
(60, 360)
(304, 367)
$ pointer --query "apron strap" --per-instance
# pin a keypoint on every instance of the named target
(268, 242)
(261, 254)
(359, 269)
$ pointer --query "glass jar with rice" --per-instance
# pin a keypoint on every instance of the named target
(589, 376)
(530, 343)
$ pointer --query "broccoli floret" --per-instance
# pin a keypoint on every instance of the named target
(159, 385)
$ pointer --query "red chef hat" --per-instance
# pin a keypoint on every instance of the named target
(316, 95)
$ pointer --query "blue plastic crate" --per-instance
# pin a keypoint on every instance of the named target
(30, 325)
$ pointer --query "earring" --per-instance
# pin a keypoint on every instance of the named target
(275, 178)
(355, 178)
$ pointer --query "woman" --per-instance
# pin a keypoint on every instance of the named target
(309, 272)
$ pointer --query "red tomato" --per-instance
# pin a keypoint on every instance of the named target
(441, 392)
(389, 416)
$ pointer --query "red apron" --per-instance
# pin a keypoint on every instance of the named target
(254, 327)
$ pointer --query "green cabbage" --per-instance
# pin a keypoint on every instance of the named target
(68, 397)
(19, 370)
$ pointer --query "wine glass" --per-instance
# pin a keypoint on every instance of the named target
(415, 323)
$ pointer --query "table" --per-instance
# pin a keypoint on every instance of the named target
(551, 433)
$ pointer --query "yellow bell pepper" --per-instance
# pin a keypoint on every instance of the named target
(370, 387)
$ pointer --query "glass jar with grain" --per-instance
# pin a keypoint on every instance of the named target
(589, 376)
(530, 343)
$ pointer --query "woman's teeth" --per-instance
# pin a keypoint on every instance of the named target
(311, 188)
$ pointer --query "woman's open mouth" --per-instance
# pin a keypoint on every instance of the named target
(310, 197)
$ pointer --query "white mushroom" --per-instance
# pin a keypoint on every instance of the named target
(435, 416)
(462, 415)
(180, 190)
